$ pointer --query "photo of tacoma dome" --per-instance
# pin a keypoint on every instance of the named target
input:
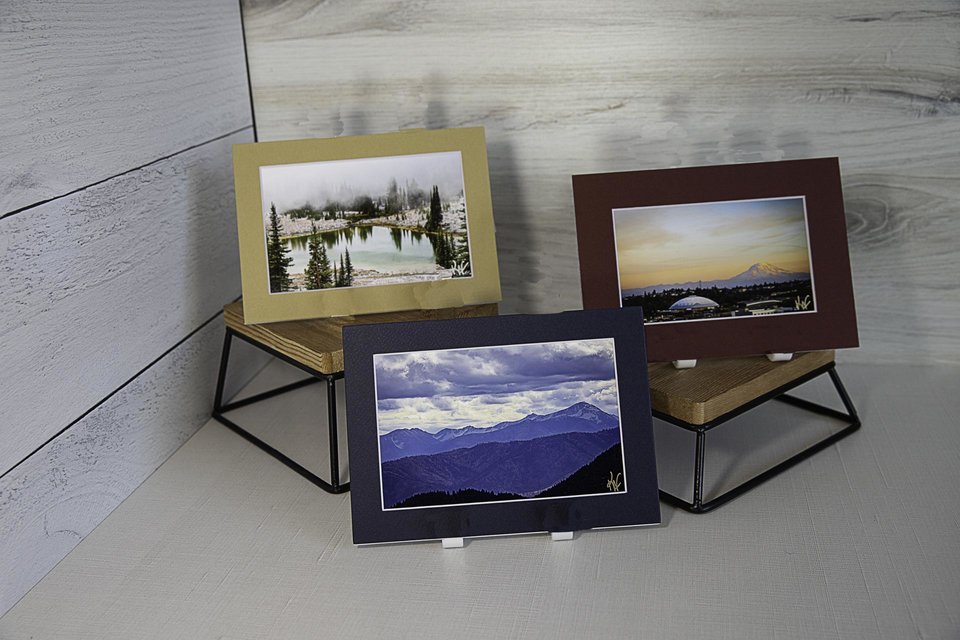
(711, 260)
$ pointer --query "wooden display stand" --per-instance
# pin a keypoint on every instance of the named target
(316, 347)
(716, 391)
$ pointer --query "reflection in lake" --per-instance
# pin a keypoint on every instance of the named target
(386, 250)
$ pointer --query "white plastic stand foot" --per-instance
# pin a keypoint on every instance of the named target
(451, 543)
(556, 536)
(684, 364)
(779, 357)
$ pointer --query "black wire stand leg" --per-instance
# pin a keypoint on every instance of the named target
(333, 434)
(850, 417)
(698, 462)
(222, 376)
(219, 409)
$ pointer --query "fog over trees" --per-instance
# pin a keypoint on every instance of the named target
(317, 183)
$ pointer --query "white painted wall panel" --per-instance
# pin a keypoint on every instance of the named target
(55, 498)
(99, 284)
(571, 87)
(93, 89)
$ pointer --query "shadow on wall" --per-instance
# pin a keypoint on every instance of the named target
(246, 361)
(519, 266)
(435, 115)
(519, 263)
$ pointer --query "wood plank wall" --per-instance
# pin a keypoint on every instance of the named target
(567, 87)
(118, 251)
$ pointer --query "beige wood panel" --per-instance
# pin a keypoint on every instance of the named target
(857, 542)
(95, 89)
(55, 498)
(571, 87)
(99, 284)
(318, 343)
(719, 385)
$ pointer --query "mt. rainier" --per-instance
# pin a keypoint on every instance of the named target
(757, 273)
(764, 272)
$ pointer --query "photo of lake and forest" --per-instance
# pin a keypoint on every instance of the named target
(365, 222)
(498, 424)
(715, 260)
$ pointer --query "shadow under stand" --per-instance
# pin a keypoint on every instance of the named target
(718, 390)
(316, 347)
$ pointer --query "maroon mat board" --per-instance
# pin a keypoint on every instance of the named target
(832, 324)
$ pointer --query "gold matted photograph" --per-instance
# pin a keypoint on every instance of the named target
(365, 224)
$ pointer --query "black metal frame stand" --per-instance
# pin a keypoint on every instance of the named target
(334, 486)
(851, 418)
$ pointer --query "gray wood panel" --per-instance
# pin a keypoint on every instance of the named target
(571, 87)
(56, 497)
(857, 542)
(95, 89)
(100, 283)
(117, 242)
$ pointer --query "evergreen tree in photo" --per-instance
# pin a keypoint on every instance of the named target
(365, 206)
(326, 271)
(277, 259)
(347, 269)
(392, 204)
(443, 251)
(337, 278)
(318, 274)
(462, 254)
(435, 218)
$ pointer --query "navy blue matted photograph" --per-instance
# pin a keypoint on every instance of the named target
(499, 425)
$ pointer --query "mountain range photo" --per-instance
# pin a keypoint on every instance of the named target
(509, 460)
(513, 422)
(757, 273)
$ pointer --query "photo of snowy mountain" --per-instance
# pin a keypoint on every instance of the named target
(505, 423)
(693, 262)
(758, 273)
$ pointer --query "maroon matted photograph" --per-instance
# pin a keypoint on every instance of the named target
(727, 260)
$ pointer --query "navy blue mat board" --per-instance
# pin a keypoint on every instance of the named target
(499, 425)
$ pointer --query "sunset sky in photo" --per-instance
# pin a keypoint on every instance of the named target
(708, 241)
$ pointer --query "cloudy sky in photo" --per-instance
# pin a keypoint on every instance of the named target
(708, 240)
(483, 386)
(293, 185)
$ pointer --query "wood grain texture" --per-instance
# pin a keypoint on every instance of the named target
(570, 87)
(99, 284)
(318, 343)
(55, 498)
(224, 542)
(719, 385)
(95, 89)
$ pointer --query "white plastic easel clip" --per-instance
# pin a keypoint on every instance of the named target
(684, 364)
(779, 357)
(556, 536)
(451, 543)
